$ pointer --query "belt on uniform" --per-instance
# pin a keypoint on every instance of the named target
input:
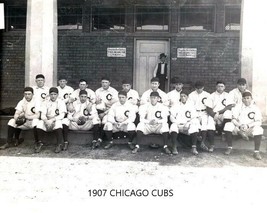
(202, 110)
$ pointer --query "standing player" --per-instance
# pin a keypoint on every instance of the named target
(153, 119)
(132, 95)
(247, 120)
(199, 98)
(41, 92)
(83, 85)
(64, 91)
(154, 87)
(53, 112)
(174, 95)
(161, 71)
(26, 117)
(121, 118)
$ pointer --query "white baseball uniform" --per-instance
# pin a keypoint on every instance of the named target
(173, 97)
(90, 94)
(146, 97)
(65, 92)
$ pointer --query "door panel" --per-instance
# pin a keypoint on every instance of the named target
(146, 58)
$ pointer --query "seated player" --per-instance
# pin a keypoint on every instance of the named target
(246, 122)
(84, 117)
(184, 120)
(121, 118)
(52, 114)
(26, 117)
(153, 119)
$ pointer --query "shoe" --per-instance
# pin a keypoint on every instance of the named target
(174, 150)
(203, 146)
(135, 150)
(109, 145)
(194, 151)
(131, 146)
(5, 146)
(244, 136)
(228, 151)
(99, 141)
(65, 146)
(38, 147)
(257, 156)
(18, 141)
(58, 148)
(93, 144)
(211, 149)
(167, 151)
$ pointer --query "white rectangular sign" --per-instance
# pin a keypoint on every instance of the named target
(186, 52)
(2, 17)
(116, 52)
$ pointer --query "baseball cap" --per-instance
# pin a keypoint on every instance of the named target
(176, 80)
(247, 93)
(39, 76)
(126, 81)
(154, 79)
(184, 91)
(122, 92)
(28, 89)
(83, 92)
(154, 94)
(105, 78)
(53, 89)
(199, 85)
(241, 81)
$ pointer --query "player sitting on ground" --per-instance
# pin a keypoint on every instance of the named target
(247, 120)
(121, 118)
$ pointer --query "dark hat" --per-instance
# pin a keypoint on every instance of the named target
(126, 81)
(83, 92)
(154, 94)
(122, 92)
(53, 89)
(247, 93)
(28, 89)
(40, 76)
(176, 80)
(184, 91)
(241, 81)
(154, 79)
(199, 85)
(105, 78)
(62, 78)
(82, 80)
(162, 55)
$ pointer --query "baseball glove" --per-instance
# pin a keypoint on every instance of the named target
(81, 120)
(49, 126)
(21, 120)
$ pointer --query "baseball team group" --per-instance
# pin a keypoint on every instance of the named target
(197, 115)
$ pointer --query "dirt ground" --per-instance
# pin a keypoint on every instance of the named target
(61, 182)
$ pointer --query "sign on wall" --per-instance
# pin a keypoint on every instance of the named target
(2, 17)
(186, 52)
(116, 52)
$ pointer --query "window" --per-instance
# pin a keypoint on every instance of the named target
(232, 18)
(16, 17)
(197, 18)
(108, 19)
(152, 19)
(69, 18)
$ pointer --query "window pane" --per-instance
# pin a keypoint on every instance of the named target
(69, 18)
(232, 18)
(197, 18)
(108, 19)
(151, 18)
(17, 18)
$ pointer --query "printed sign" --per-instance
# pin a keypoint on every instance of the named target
(186, 52)
(2, 17)
(116, 52)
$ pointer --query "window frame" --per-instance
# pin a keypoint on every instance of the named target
(235, 6)
(70, 6)
(7, 17)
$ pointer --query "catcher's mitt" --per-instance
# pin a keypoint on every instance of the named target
(81, 120)
(50, 126)
(21, 120)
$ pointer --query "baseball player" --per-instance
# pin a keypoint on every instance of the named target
(247, 120)
(199, 98)
(132, 95)
(41, 92)
(64, 91)
(85, 117)
(26, 117)
(53, 112)
(184, 120)
(153, 119)
(154, 87)
(83, 85)
(216, 107)
(121, 118)
(174, 95)
(161, 71)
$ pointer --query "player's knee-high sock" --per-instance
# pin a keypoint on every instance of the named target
(194, 138)
(35, 134)
(257, 142)
(139, 135)
(59, 135)
(40, 134)
(224, 122)
(204, 136)
(174, 138)
(10, 133)
(210, 135)
(101, 131)
(165, 138)
(17, 133)
(65, 132)
(229, 138)
(109, 135)
(131, 135)
(95, 131)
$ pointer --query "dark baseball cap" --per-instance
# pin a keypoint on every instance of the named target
(199, 84)
(185, 91)
(246, 94)
(154, 79)
(53, 89)
(241, 81)
(154, 94)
